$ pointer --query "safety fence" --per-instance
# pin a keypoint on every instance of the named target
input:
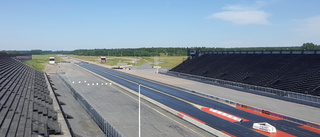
(287, 94)
(104, 125)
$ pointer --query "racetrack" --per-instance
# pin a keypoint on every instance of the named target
(187, 102)
(120, 108)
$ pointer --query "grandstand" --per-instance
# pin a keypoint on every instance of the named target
(25, 105)
(295, 71)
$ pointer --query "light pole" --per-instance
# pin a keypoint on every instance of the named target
(139, 113)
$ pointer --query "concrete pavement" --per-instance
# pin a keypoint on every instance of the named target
(120, 108)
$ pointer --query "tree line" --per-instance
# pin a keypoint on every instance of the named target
(133, 52)
(35, 52)
(182, 51)
(158, 51)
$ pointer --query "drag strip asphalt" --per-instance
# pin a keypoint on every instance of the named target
(190, 104)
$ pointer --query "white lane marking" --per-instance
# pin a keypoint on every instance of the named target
(225, 114)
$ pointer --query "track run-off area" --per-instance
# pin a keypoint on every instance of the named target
(228, 119)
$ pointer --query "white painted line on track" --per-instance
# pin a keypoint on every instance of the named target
(226, 115)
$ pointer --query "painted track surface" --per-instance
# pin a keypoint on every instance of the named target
(178, 100)
(120, 108)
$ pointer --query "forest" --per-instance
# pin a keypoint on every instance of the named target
(182, 51)
(159, 51)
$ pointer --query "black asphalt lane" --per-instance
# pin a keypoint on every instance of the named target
(237, 128)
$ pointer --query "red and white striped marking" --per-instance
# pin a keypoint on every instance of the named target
(223, 115)
(226, 115)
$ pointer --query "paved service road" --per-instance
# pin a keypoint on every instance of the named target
(120, 108)
(197, 106)
(81, 123)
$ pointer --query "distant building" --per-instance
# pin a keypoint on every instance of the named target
(193, 53)
(51, 60)
(103, 59)
(21, 57)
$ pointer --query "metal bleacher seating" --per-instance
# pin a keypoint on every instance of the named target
(25, 105)
(290, 72)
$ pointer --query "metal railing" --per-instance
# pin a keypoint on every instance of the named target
(281, 93)
(307, 52)
(103, 124)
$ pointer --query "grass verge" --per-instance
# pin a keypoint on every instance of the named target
(163, 61)
(39, 62)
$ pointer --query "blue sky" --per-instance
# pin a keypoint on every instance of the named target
(83, 24)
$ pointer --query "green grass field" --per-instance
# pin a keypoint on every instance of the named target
(111, 61)
(114, 61)
(38, 61)
(87, 58)
(139, 62)
(163, 61)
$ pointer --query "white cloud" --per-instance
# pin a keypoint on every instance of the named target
(243, 17)
(243, 14)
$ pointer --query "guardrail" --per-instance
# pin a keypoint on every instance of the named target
(104, 125)
(295, 120)
(285, 94)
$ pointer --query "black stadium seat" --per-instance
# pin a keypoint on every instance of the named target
(25, 104)
(289, 72)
